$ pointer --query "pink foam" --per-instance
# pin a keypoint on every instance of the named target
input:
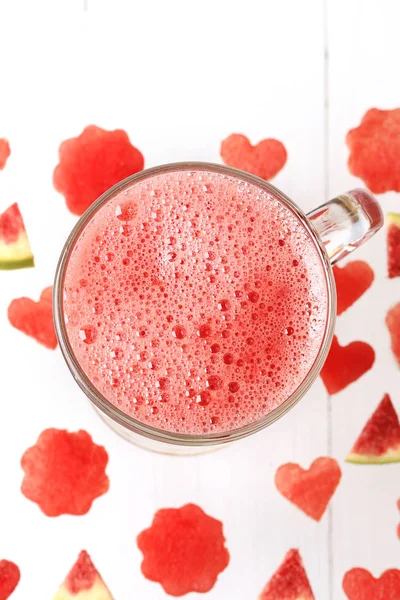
(195, 302)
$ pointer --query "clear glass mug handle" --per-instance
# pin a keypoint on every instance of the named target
(346, 222)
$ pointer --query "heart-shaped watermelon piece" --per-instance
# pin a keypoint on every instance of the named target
(359, 584)
(35, 319)
(265, 159)
(346, 364)
(9, 578)
(310, 490)
(352, 281)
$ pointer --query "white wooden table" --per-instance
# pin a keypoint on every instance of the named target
(179, 77)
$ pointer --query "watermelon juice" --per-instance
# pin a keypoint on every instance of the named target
(195, 301)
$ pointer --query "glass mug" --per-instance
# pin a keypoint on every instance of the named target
(336, 229)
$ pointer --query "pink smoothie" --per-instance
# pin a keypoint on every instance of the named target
(195, 302)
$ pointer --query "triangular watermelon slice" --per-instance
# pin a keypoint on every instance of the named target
(83, 582)
(15, 250)
(393, 244)
(289, 582)
(379, 441)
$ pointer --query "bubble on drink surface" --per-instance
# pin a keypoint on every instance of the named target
(126, 211)
(162, 383)
(126, 230)
(193, 301)
(228, 358)
(203, 399)
(88, 334)
(204, 331)
(224, 305)
(214, 382)
(179, 332)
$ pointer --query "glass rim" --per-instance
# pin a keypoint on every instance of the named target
(134, 425)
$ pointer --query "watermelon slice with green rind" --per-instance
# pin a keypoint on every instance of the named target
(379, 441)
(83, 582)
(15, 250)
(393, 245)
(289, 582)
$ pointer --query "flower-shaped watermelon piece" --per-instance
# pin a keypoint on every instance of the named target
(183, 550)
(64, 472)
(92, 163)
(375, 150)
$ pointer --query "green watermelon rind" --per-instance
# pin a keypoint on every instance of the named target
(393, 219)
(17, 255)
(10, 265)
(391, 456)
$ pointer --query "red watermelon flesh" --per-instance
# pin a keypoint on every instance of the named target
(35, 319)
(64, 472)
(9, 578)
(379, 441)
(352, 281)
(359, 584)
(375, 150)
(92, 163)
(393, 245)
(15, 250)
(183, 550)
(346, 364)
(83, 582)
(289, 582)
(5, 152)
(265, 159)
(310, 490)
(393, 324)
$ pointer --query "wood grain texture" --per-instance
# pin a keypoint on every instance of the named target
(179, 79)
(363, 46)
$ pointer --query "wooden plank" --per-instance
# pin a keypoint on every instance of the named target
(363, 54)
(179, 79)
